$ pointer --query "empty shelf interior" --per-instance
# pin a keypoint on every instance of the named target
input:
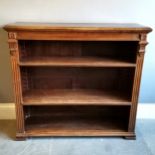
(76, 119)
(76, 85)
(119, 53)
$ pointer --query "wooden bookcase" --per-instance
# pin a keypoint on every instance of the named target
(76, 79)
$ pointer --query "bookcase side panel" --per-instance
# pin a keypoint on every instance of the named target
(14, 52)
(137, 79)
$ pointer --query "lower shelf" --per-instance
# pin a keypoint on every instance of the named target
(76, 120)
(65, 126)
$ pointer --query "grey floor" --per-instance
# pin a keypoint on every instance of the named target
(144, 145)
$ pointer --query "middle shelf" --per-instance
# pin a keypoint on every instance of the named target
(76, 62)
(76, 85)
(76, 97)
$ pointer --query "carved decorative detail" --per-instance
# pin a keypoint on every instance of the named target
(143, 42)
(12, 35)
(12, 42)
(135, 91)
(13, 46)
(137, 79)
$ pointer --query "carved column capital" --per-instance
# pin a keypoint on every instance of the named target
(142, 43)
(12, 35)
(13, 44)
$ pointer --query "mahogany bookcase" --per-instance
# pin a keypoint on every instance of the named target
(76, 79)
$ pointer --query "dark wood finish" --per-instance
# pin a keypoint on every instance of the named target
(76, 79)
(14, 52)
(72, 85)
(35, 31)
(76, 62)
(77, 53)
(78, 36)
(133, 137)
(137, 80)
(20, 138)
(75, 126)
(77, 121)
(74, 97)
(107, 27)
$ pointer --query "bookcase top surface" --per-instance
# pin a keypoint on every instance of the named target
(107, 27)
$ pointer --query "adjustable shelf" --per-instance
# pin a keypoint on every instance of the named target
(74, 97)
(76, 79)
(76, 62)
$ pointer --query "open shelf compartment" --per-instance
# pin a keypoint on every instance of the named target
(78, 53)
(62, 85)
(76, 120)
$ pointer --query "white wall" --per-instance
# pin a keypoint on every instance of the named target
(137, 11)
